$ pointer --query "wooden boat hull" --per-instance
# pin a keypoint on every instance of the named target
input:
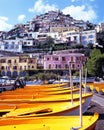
(49, 123)
(47, 109)
(34, 94)
(43, 109)
(44, 98)
(37, 90)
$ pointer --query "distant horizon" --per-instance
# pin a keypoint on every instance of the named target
(14, 12)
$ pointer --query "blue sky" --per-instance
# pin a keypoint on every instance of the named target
(13, 12)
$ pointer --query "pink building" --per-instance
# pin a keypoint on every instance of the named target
(62, 61)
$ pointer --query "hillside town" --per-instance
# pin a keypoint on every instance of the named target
(23, 47)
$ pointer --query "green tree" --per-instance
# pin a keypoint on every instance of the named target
(100, 66)
(95, 52)
(95, 63)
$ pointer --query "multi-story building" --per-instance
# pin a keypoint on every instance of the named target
(88, 36)
(16, 65)
(16, 45)
(11, 45)
(63, 29)
(77, 36)
(64, 61)
(73, 37)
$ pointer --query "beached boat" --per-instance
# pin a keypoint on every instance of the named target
(97, 87)
(39, 92)
(19, 91)
(20, 98)
(31, 107)
(46, 85)
(42, 109)
(50, 123)
(53, 121)
(17, 105)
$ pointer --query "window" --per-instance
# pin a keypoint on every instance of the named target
(83, 37)
(69, 38)
(20, 67)
(90, 36)
(63, 58)
(15, 67)
(9, 61)
(32, 67)
(25, 43)
(8, 68)
(73, 66)
(56, 58)
(66, 66)
(71, 59)
(24, 67)
(2, 67)
(15, 61)
(30, 35)
(48, 58)
(3, 61)
(31, 61)
(58, 66)
(75, 38)
(49, 66)
(78, 66)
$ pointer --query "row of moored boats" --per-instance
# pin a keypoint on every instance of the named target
(46, 107)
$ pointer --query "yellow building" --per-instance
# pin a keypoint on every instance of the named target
(64, 29)
(16, 65)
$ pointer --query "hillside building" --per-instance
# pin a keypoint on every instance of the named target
(17, 65)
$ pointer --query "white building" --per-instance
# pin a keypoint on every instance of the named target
(73, 37)
(11, 45)
(88, 36)
(80, 37)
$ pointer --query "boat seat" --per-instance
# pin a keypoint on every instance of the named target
(42, 111)
(47, 110)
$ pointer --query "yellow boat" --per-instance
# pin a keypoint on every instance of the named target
(42, 109)
(46, 85)
(50, 123)
(18, 106)
(28, 92)
(20, 98)
(19, 91)
(47, 89)
(97, 86)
